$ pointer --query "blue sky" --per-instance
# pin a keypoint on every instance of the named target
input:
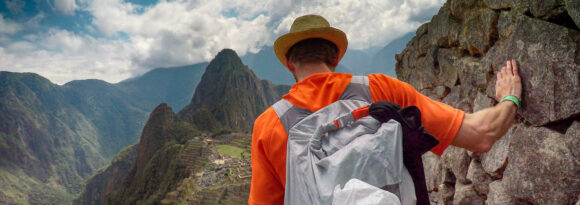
(112, 40)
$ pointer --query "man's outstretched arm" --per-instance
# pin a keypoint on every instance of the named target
(481, 129)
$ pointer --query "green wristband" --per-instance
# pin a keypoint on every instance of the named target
(511, 98)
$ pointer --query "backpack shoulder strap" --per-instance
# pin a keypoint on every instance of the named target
(289, 114)
(358, 89)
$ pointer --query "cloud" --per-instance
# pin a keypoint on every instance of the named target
(65, 6)
(8, 27)
(180, 32)
(366, 23)
(125, 39)
(63, 56)
(21, 46)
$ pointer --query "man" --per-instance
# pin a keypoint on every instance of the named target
(311, 51)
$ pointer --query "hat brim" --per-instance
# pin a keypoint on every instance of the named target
(285, 42)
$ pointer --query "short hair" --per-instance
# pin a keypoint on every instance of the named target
(313, 50)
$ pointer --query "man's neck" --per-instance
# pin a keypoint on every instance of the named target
(305, 70)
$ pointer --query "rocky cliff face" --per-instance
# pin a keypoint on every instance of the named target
(108, 178)
(454, 59)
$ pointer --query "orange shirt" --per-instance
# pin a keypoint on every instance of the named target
(317, 91)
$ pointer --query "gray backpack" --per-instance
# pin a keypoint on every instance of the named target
(337, 144)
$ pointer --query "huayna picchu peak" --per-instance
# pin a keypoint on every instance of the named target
(229, 96)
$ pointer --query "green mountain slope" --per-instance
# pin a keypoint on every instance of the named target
(117, 118)
(51, 136)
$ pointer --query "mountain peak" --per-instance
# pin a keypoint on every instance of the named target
(226, 60)
(226, 52)
(155, 133)
(229, 95)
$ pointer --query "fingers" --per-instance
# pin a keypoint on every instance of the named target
(515, 68)
(509, 68)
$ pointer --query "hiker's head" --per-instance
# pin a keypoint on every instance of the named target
(314, 50)
(311, 40)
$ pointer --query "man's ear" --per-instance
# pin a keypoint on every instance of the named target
(290, 65)
(335, 62)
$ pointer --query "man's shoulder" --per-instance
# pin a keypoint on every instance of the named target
(383, 77)
(383, 80)
(266, 120)
(266, 125)
(268, 115)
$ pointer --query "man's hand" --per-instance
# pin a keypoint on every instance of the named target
(480, 130)
(508, 81)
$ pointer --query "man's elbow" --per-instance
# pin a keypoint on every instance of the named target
(487, 137)
(483, 147)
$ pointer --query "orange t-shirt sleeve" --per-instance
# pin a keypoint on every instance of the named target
(268, 164)
(439, 119)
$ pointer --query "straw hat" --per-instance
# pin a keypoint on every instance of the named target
(309, 26)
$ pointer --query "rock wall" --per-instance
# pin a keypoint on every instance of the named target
(454, 59)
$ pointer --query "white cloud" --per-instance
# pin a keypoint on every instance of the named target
(63, 56)
(64, 41)
(21, 46)
(180, 32)
(65, 6)
(8, 27)
(366, 23)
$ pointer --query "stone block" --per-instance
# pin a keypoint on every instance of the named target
(456, 160)
(547, 56)
(466, 195)
(544, 165)
(498, 195)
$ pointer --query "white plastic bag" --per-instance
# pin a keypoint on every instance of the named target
(356, 191)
